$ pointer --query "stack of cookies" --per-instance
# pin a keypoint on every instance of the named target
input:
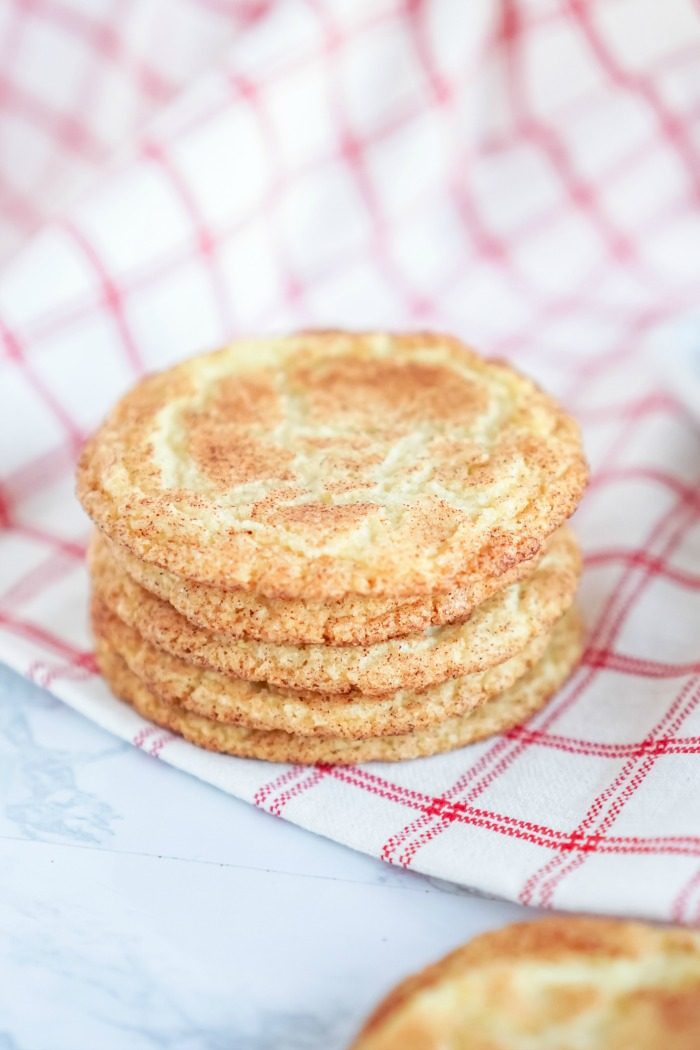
(335, 547)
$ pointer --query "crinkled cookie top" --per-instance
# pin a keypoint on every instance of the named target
(328, 463)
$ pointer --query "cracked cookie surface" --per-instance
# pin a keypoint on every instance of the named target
(334, 463)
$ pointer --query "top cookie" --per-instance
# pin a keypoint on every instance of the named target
(563, 983)
(328, 463)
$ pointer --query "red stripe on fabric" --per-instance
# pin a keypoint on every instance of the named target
(153, 274)
(658, 746)
(628, 346)
(203, 236)
(640, 559)
(103, 37)
(68, 672)
(165, 266)
(143, 734)
(441, 89)
(46, 675)
(656, 401)
(686, 511)
(640, 667)
(312, 778)
(499, 756)
(582, 196)
(593, 99)
(64, 128)
(293, 62)
(88, 87)
(15, 352)
(352, 149)
(27, 480)
(111, 295)
(17, 207)
(292, 288)
(48, 571)
(545, 871)
(34, 632)
(612, 628)
(609, 804)
(73, 548)
(610, 177)
(265, 790)
(156, 746)
(681, 904)
(246, 13)
(688, 494)
(671, 128)
(460, 812)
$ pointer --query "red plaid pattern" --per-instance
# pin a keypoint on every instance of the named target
(525, 174)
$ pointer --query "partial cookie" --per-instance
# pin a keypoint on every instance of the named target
(563, 983)
(353, 620)
(334, 463)
(258, 706)
(496, 630)
(511, 708)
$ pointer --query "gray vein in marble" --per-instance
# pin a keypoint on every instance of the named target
(52, 802)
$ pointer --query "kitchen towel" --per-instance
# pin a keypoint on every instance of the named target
(523, 173)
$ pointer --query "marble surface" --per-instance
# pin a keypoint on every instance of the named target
(141, 908)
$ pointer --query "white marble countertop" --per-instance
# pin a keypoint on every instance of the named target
(140, 908)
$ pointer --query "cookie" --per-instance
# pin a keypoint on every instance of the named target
(333, 463)
(566, 983)
(258, 706)
(496, 630)
(514, 706)
(353, 620)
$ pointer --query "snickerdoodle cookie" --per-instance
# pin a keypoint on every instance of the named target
(496, 631)
(261, 706)
(562, 983)
(353, 620)
(511, 708)
(332, 463)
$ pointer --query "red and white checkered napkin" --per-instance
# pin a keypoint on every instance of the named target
(525, 174)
